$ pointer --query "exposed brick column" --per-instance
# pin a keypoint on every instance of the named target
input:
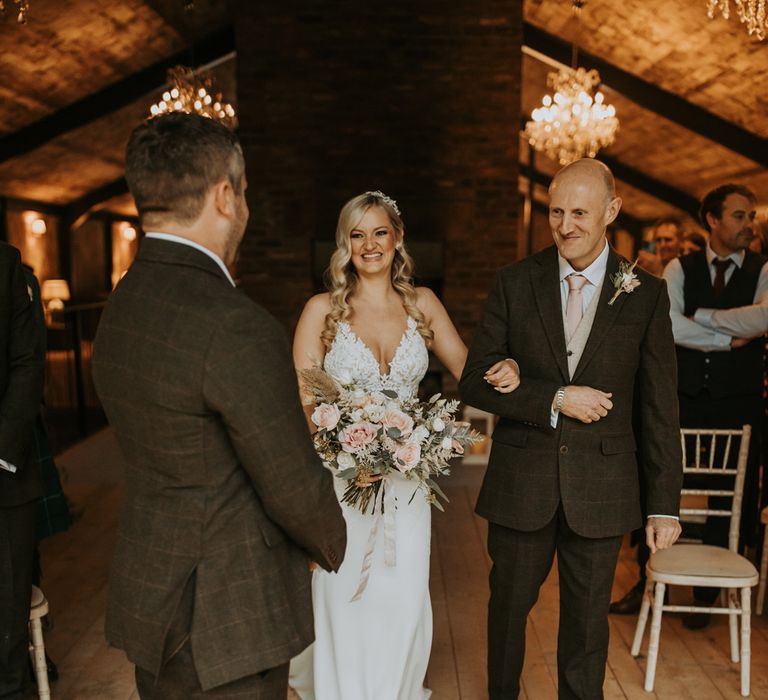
(421, 100)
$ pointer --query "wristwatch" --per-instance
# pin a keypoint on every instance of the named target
(557, 405)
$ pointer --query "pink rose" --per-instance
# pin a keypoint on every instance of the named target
(326, 415)
(356, 436)
(397, 419)
(407, 456)
(458, 448)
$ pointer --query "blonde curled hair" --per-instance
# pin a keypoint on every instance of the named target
(341, 277)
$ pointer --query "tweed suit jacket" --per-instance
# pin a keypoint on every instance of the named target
(223, 484)
(595, 470)
(21, 382)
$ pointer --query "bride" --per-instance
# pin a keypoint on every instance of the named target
(373, 328)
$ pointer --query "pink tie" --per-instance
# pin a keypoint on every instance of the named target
(574, 310)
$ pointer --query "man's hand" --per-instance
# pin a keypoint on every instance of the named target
(504, 376)
(661, 533)
(739, 342)
(586, 404)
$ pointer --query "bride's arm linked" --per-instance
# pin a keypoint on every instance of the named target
(531, 402)
(450, 349)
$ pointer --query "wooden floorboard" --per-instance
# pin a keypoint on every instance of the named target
(691, 665)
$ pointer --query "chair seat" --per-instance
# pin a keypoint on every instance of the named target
(690, 564)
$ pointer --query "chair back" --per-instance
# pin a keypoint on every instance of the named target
(718, 456)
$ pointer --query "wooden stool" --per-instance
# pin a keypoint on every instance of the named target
(38, 609)
(763, 564)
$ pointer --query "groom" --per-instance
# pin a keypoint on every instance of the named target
(588, 445)
(226, 501)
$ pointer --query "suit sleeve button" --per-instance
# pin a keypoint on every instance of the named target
(563, 449)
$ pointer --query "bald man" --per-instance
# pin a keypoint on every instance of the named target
(565, 475)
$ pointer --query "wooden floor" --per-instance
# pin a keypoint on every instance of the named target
(691, 664)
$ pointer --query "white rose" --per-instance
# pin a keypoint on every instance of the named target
(437, 425)
(419, 435)
(447, 443)
(357, 415)
(374, 412)
(345, 460)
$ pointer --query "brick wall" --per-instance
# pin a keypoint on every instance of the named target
(420, 100)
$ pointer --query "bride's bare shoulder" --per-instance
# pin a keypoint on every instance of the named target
(318, 305)
(427, 301)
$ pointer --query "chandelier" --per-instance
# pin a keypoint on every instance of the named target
(190, 92)
(753, 13)
(22, 7)
(575, 122)
(572, 124)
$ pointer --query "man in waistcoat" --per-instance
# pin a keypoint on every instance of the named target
(594, 343)
(719, 309)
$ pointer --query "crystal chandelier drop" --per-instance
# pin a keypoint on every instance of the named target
(753, 13)
(22, 7)
(572, 124)
(190, 92)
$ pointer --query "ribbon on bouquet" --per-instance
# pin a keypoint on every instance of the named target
(388, 521)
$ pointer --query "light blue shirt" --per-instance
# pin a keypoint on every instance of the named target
(185, 241)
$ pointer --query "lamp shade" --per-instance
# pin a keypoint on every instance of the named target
(55, 289)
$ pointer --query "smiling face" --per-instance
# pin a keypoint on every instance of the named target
(581, 206)
(735, 229)
(373, 242)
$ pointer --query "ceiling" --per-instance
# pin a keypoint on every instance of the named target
(69, 99)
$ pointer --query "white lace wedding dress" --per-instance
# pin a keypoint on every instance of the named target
(377, 646)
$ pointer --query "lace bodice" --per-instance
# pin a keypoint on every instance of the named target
(350, 361)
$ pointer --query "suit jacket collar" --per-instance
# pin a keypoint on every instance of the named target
(545, 279)
(170, 253)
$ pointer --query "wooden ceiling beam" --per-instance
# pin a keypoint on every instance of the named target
(82, 206)
(644, 182)
(111, 98)
(653, 98)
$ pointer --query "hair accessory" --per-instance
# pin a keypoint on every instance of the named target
(387, 200)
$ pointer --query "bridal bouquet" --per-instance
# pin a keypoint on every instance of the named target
(364, 436)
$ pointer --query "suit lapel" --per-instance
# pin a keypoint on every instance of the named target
(546, 290)
(605, 316)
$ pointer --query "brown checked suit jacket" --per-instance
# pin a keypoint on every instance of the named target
(224, 489)
(607, 474)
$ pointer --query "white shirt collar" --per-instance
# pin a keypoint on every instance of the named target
(594, 273)
(737, 257)
(185, 241)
